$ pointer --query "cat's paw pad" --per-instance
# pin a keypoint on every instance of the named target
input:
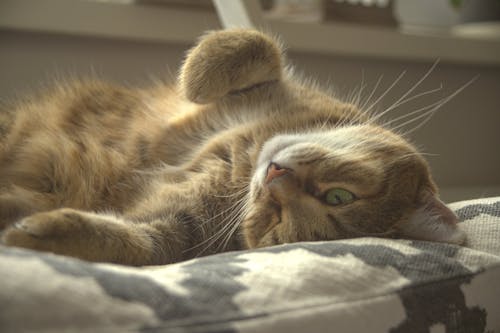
(48, 231)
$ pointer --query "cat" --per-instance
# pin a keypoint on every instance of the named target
(240, 154)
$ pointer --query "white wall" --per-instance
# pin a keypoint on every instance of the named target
(464, 135)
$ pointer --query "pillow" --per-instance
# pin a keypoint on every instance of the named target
(355, 285)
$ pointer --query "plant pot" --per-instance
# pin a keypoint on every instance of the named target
(479, 19)
(480, 11)
(425, 15)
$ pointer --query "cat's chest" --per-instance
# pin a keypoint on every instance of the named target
(205, 137)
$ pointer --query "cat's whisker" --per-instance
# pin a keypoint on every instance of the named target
(219, 233)
(361, 87)
(230, 209)
(211, 219)
(420, 111)
(326, 121)
(385, 92)
(381, 114)
(229, 195)
(223, 212)
(415, 86)
(237, 193)
(409, 99)
(423, 122)
(410, 155)
(210, 240)
(347, 121)
(369, 98)
(419, 153)
(235, 224)
(434, 109)
(426, 116)
(354, 97)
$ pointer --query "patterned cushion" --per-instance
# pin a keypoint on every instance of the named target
(358, 285)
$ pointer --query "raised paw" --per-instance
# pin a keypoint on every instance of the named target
(229, 61)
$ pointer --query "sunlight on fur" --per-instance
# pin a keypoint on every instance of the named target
(240, 154)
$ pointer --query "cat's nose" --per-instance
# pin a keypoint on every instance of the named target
(274, 170)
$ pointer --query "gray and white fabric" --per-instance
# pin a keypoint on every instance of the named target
(357, 285)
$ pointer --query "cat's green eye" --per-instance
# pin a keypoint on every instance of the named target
(339, 196)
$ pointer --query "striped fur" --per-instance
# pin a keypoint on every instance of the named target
(160, 175)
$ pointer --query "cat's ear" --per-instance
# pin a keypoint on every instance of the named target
(229, 61)
(433, 221)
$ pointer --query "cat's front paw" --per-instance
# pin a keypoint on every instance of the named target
(56, 231)
(84, 235)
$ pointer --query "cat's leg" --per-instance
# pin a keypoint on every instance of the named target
(16, 203)
(97, 237)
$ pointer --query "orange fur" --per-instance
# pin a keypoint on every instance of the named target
(152, 176)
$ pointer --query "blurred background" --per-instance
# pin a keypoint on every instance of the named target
(353, 47)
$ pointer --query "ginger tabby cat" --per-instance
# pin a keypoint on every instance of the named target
(239, 155)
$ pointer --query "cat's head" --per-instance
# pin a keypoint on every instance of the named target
(353, 181)
(327, 182)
